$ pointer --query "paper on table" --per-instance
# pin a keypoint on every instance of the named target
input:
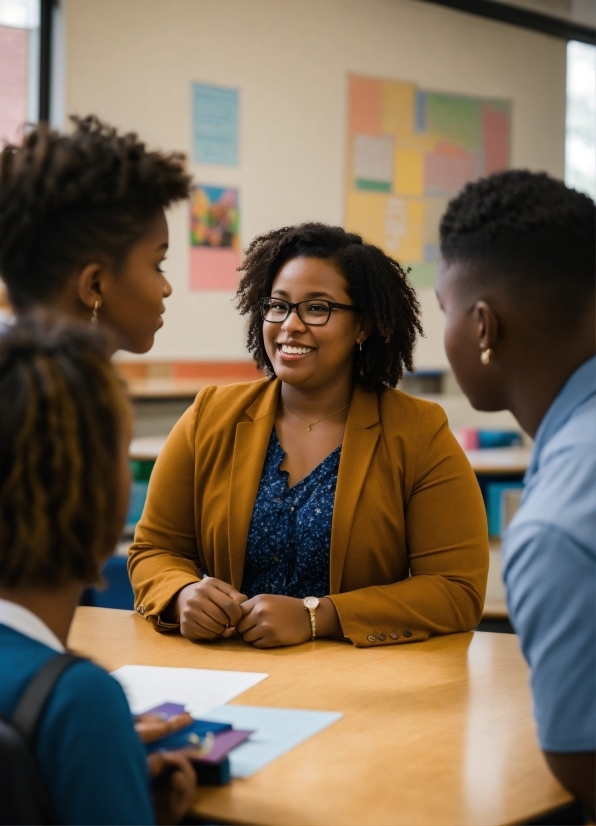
(198, 689)
(276, 731)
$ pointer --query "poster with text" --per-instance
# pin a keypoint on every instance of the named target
(215, 123)
(214, 238)
(409, 152)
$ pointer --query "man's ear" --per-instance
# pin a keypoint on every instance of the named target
(487, 325)
(89, 286)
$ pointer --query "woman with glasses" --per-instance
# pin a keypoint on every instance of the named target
(318, 501)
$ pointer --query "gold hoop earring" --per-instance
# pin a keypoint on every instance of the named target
(485, 355)
(94, 312)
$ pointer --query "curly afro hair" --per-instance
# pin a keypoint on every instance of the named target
(528, 229)
(376, 283)
(70, 200)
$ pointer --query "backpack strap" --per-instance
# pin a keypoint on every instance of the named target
(30, 707)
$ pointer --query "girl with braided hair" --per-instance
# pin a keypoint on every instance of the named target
(83, 229)
(64, 482)
(319, 501)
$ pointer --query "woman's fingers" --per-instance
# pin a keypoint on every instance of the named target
(227, 604)
(249, 617)
(209, 608)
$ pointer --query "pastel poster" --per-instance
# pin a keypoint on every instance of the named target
(214, 238)
(409, 152)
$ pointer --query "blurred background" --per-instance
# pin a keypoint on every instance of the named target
(370, 114)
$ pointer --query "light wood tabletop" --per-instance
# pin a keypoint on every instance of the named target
(433, 733)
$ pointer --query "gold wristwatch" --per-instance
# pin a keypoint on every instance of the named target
(311, 604)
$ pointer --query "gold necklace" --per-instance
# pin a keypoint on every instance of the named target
(312, 424)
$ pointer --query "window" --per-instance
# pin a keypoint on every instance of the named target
(19, 66)
(580, 139)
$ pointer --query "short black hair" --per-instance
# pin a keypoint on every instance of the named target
(67, 200)
(377, 284)
(529, 229)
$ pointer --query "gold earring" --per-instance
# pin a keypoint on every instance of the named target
(94, 313)
(485, 355)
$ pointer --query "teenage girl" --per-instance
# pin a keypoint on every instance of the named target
(64, 482)
(83, 228)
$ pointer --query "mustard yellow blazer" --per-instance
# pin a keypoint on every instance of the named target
(409, 540)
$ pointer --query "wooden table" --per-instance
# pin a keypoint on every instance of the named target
(433, 733)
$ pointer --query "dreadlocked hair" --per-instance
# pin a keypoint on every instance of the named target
(70, 200)
(62, 414)
(377, 284)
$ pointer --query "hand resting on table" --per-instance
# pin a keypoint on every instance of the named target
(208, 609)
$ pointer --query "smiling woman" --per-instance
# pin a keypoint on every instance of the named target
(83, 230)
(320, 501)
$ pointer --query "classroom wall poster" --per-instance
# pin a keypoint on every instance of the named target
(214, 238)
(409, 152)
(215, 124)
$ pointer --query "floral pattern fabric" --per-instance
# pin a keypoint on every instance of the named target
(290, 531)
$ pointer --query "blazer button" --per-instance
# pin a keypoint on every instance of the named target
(394, 636)
(276, 559)
(371, 638)
(382, 637)
(407, 633)
(141, 610)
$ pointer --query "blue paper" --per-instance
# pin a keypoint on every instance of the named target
(276, 731)
(215, 124)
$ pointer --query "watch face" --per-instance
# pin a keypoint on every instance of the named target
(311, 602)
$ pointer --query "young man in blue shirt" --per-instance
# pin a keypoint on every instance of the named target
(517, 284)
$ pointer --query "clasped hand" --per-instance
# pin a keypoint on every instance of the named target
(212, 608)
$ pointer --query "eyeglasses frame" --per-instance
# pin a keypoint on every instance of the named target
(333, 305)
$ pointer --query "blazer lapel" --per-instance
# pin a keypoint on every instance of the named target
(360, 439)
(250, 449)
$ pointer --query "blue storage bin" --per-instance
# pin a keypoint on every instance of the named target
(138, 494)
(497, 504)
(118, 593)
(499, 438)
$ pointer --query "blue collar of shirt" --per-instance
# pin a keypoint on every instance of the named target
(579, 387)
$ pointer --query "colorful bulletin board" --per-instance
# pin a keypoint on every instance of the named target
(409, 153)
(214, 238)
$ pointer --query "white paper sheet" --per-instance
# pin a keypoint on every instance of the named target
(198, 689)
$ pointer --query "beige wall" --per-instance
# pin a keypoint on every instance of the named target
(132, 62)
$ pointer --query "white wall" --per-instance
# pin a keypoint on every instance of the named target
(132, 63)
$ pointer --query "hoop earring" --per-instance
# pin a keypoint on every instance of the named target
(94, 312)
(485, 355)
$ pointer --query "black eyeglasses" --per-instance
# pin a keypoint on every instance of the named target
(315, 312)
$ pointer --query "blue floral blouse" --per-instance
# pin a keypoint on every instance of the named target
(290, 532)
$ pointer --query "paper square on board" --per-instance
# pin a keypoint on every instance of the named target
(215, 124)
(214, 238)
(373, 162)
(214, 269)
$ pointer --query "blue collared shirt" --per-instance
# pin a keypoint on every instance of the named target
(549, 567)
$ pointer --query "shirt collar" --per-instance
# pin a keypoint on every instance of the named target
(29, 624)
(579, 387)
